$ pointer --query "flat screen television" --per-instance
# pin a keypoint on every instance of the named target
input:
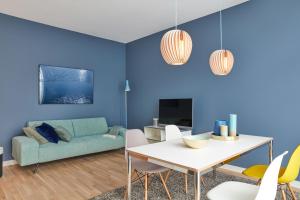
(176, 111)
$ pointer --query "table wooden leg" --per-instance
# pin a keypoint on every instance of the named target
(146, 186)
(214, 173)
(129, 177)
(271, 151)
(197, 185)
(186, 182)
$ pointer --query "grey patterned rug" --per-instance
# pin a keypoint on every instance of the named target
(176, 187)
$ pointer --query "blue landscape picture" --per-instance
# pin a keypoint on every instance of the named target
(62, 85)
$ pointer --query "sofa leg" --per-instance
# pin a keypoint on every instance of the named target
(36, 168)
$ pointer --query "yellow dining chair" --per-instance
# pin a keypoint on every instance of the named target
(286, 175)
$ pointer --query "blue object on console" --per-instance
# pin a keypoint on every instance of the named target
(218, 123)
(48, 132)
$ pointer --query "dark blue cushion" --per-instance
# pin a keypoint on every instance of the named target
(48, 132)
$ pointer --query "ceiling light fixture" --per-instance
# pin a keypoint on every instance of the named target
(221, 61)
(176, 45)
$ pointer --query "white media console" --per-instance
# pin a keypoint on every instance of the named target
(158, 132)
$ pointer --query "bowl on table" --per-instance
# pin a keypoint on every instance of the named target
(196, 141)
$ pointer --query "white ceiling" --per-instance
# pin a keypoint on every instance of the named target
(118, 20)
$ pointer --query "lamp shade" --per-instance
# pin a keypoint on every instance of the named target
(221, 62)
(127, 88)
(176, 47)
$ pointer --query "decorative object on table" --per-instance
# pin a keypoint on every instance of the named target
(224, 130)
(232, 125)
(218, 123)
(221, 61)
(127, 89)
(176, 45)
(63, 85)
(224, 138)
(196, 141)
(155, 122)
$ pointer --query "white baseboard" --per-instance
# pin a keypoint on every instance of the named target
(9, 163)
(237, 171)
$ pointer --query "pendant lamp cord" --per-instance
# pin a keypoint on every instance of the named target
(221, 25)
(221, 29)
(176, 13)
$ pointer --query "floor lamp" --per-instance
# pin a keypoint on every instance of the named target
(127, 89)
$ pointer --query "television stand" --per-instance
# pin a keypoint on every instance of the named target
(158, 132)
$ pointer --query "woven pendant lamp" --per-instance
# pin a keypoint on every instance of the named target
(221, 61)
(176, 45)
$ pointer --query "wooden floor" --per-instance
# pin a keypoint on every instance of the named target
(74, 179)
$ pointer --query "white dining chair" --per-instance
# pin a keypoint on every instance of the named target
(143, 168)
(232, 190)
(172, 133)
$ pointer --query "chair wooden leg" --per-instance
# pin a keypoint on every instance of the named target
(291, 191)
(186, 183)
(146, 186)
(214, 173)
(258, 182)
(203, 182)
(168, 175)
(125, 193)
(165, 186)
(283, 193)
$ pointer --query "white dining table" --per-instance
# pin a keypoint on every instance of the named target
(175, 155)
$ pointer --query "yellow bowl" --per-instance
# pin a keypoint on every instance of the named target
(196, 141)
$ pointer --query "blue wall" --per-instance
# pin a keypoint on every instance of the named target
(263, 88)
(24, 45)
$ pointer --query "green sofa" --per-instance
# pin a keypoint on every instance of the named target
(89, 136)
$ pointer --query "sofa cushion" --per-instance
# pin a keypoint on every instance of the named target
(47, 132)
(63, 133)
(78, 146)
(89, 126)
(97, 143)
(32, 133)
(67, 124)
(51, 151)
(116, 130)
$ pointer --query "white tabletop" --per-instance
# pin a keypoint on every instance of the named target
(215, 152)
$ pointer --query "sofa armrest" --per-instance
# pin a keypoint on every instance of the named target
(25, 150)
(122, 132)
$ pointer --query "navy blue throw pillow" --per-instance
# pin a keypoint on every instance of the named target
(47, 132)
